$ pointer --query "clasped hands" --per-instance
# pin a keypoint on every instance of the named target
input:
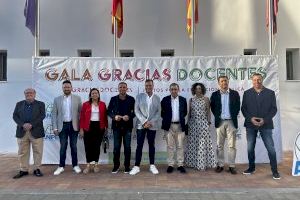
(257, 121)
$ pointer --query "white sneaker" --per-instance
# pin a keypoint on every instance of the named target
(135, 170)
(77, 169)
(58, 171)
(153, 169)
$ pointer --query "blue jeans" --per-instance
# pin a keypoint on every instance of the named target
(120, 135)
(66, 133)
(141, 134)
(266, 135)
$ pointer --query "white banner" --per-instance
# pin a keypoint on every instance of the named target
(106, 73)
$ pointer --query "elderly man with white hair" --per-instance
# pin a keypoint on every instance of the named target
(29, 115)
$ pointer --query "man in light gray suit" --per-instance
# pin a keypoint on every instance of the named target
(147, 111)
(65, 122)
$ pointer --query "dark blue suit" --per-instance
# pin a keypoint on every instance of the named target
(166, 112)
(234, 106)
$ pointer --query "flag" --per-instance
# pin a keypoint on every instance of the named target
(189, 16)
(117, 12)
(274, 13)
(30, 15)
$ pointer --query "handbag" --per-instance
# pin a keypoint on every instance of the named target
(105, 142)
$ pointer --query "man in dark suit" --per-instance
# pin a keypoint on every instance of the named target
(259, 108)
(121, 111)
(225, 105)
(29, 115)
(173, 112)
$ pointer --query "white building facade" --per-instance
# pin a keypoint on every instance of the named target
(226, 27)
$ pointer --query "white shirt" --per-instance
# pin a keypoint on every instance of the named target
(225, 105)
(149, 102)
(67, 108)
(175, 109)
(95, 113)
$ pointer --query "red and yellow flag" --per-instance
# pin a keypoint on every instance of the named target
(189, 16)
(117, 12)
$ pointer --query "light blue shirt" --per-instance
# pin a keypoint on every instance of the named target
(225, 105)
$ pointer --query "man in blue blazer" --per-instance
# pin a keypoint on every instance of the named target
(173, 113)
(29, 115)
(259, 107)
(225, 105)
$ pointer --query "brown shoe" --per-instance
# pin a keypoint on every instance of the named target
(96, 168)
(88, 169)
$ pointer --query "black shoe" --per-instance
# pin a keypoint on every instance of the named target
(115, 170)
(20, 174)
(127, 170)
(170, 169)
(232, 170)
(249, 171)
(181, 169)
(38, 173)
(219, 169)
(276, 176)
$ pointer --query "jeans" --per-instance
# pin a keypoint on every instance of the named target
(120, 135)
(266, 135)
(68, 132)
(141, 134)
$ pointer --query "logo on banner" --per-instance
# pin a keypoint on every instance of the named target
(296, 162)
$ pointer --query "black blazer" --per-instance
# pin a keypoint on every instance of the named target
(166, 112)
(38, 115)
(264, 107)
(113, 110)
(234, 106)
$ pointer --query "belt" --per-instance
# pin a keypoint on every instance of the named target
(226, 119)
(175, 122)
(67, 122)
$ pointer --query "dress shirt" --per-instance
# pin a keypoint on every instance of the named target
(175, 109)
(225, 105)
(149, 102)
(67, 111)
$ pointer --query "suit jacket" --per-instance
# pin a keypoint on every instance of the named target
(58, 116)
(234, 106)
(166, 112)
(86, 113)
(114, 109)
(141, 111)
(38, 115)
(263, 107)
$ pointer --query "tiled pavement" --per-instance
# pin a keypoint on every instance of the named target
(104, 185)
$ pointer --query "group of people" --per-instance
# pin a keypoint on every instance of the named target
(188, 144)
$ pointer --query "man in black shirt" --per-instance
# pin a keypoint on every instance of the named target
(258, 108)
(121, 111)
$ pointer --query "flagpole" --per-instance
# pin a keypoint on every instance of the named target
(193, 27)
(271, 7)
(37, 30)
(115, 43)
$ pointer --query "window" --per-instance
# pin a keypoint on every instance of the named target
(292, 64)
(44, 52)
(249, 52)
(126, 53)
(167, 52)
(3, 65)
(85, 53)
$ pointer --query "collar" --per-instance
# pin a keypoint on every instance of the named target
(226, 92)
(176, 98)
